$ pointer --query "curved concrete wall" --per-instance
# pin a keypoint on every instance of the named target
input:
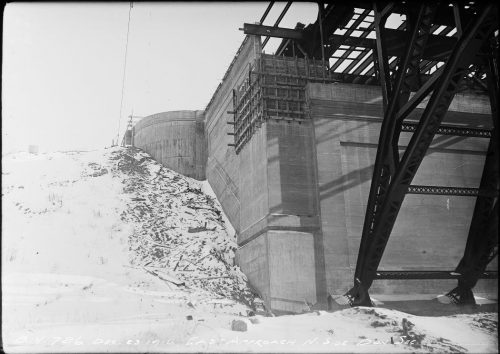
(176, 139)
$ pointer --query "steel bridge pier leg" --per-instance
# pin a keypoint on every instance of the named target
(482, 241)
(480, 250)
(391, 178)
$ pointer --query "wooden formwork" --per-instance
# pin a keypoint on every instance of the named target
(274, 89)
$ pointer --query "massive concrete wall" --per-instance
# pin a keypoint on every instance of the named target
(296, 193)
(262, 191)
(304, 188)
(430, 231)
(223, 164)
(279, 241)
(176, 139)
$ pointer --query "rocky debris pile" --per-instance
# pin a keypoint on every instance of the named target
(403, 330)
(486, 322)
(180, 235)
(94, 170)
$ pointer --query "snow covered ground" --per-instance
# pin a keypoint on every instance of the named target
(109, 251)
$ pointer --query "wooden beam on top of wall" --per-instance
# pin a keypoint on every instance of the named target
(270, 31)
(438, 47)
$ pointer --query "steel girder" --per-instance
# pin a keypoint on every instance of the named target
(482, 241)
(392, 176)
(458, 191)
(387, 158)
(428, 274)
(451, 130)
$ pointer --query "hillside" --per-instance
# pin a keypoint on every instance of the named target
(110, 251)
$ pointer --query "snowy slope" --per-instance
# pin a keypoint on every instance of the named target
(110, 251)
(179, 232)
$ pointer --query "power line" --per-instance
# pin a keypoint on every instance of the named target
(124, 71)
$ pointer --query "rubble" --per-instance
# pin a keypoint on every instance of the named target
(177, 229)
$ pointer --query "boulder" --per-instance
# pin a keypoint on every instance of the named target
(239, 326)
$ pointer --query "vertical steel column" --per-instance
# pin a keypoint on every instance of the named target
(454, 72)
(418, 23)
(482, 241)
(387, 158)
(392, 177)
(320, 23)
(384, 163)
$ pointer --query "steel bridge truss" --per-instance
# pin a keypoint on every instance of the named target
(392, 175)
(438, 49)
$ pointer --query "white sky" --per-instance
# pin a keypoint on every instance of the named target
(63, 64)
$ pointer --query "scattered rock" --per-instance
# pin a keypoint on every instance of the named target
(200, 229)
(407, 326)
(486, 322)
(169, 213)
(250, 313)
(377, 323)
(239, 326)
(415, 339)
(254, 320)
(189, 318)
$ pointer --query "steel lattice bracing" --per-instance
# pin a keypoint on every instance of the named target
(387, 157)
(437, 50)
(392, 177)
(349, 42)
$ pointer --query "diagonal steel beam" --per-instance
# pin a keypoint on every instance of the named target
(321, 8)
(384, 162)
(454, 73)
(387, 157)
(276, 24)
(391, 188)
(419, 96)
(482, 241)
(422, 21)
(263, 18)
(381, 15)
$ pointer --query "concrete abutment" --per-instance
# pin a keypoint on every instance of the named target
(296, 192)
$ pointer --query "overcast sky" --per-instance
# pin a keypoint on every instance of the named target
(63, 64)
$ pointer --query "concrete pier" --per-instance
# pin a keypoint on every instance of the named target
(304, 189)
(431, 230)
(296, 192)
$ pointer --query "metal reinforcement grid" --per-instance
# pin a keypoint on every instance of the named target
(274, 89)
